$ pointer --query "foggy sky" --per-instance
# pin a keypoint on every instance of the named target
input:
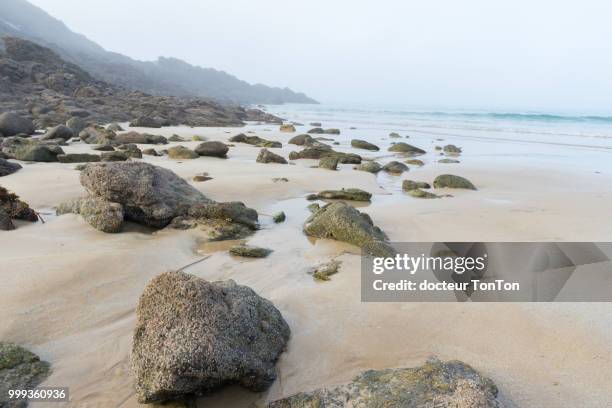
(520, 54)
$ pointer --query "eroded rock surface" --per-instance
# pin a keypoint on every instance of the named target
(193, 336)
(435, 384)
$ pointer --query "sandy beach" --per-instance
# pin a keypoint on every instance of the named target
(69, 292)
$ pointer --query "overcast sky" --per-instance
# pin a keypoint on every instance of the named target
(519, 54)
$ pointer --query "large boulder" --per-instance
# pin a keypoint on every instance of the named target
(266, 156)
(103, 215)
(212, 148)
(343, 222)
(402, 147)
(452, 384)
(37, 153)
(452, 181)
(142, 138)
(58, 132)
(7, 167)
(193, 336)
(20, 369)
(149, 194)
(146, 121)
(362, 144)
(12, 124)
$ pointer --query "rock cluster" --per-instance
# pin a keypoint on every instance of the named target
(38, 89)
(147, 194)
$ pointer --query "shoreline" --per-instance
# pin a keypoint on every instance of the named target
(548, 355)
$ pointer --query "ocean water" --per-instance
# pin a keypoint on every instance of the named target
(575, 140)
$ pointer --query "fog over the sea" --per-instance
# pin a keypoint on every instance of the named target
(520, 54)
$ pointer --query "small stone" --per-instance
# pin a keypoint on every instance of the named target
(362, 144)
(452, 181)
(394, 135)
(331, 131)
(351, 194)
(415, 162)
(369, 166)
(328, 162)
(452, 149)
(324, 271)
(181, 153)
(314, 207)
(113, 156)
(249, 251)
(316, 131)
(402, 147)
(103, 148)
(200, 178)
(395, 167)
(150, 152)
(418, 193)
(287, 127)
(266, 156)
(78, 158)
(279, 217)
(413, 185)
(176, 138)
(447, 161)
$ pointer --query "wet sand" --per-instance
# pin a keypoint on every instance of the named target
(69, 292)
